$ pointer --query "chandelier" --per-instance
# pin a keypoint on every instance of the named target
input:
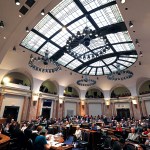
(43, 64)
(120, 74)
(86, 81)
(83, 40)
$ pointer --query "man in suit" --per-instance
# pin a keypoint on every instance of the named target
(133, 136)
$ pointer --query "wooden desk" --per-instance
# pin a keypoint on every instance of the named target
(67, 147)
(2, 120)
(4, 141)
(4, 138)
(60, 140)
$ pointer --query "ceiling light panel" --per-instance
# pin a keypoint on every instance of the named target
(112, 68)
(86, 70)
(124, 47)
(92, 72)
(95, 43)
(66, 11)
(118, 37)
(80, 25)
(47, 26)
(50, 47)
(97, 64)
(127, 59)
(106, 70)
(124, 63)
(122, 67)
(92, 4)
(74, 64)
(109, 60)
(99, 71)
(65, 59)
(32, 41)
(61, 38)
(81, 70)
(107, 16)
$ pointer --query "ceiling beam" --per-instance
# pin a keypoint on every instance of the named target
(132, 52)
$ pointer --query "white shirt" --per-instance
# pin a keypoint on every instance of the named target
(78, 134)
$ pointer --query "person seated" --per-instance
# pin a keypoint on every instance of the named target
(40, 142)
(119, 128)
(78, 134)
(93, 127)
(23, 127)
(145, 133)
(133, 136)
(147, 142)
(35, 134)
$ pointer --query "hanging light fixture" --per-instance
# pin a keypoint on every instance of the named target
(43, 64)
(27, 29)
(122, 1)
(130, 24)
(141, 54)
(1, 24)
(86, 81)
(14, 48)
(83, 40)
(17, 2)
(120, 74)
(42, 12)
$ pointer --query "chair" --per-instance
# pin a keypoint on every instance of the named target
(85, 140)
(13, 144)
(30, 145)
(4, 146)
(131, 146)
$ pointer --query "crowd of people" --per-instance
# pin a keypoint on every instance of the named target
(138, 130)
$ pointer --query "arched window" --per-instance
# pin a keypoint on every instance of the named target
(145, 88)
(71, 92)
(120, 92)
(16, 78)
(48, 87)
(94, 93)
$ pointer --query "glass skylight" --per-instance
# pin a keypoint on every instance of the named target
(92, 4)
(86, 70)
(100, 57)
(66, 12)
(107, 16)
(99, 71)
(74, 64)
(65, 59)
(32, 41)
(80, 25)
(61, 38)
(92, 72)
(47, 26)
(118, 37)
(98, 64)
(50, 47)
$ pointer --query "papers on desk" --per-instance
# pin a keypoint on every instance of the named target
(34, 131)
(55, 144)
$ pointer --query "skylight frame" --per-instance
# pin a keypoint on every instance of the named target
(54, 35)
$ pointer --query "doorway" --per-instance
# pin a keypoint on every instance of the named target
(11, 112)
(46, 112)
(123, 113)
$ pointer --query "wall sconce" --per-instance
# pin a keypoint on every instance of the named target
(35, 97)
(134, 101)
(1, 24)
(6, 80)
(122, 1)
(82, 103)
(60, 101)
(107, 103)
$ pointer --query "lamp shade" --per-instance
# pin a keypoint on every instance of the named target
(134, 101)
